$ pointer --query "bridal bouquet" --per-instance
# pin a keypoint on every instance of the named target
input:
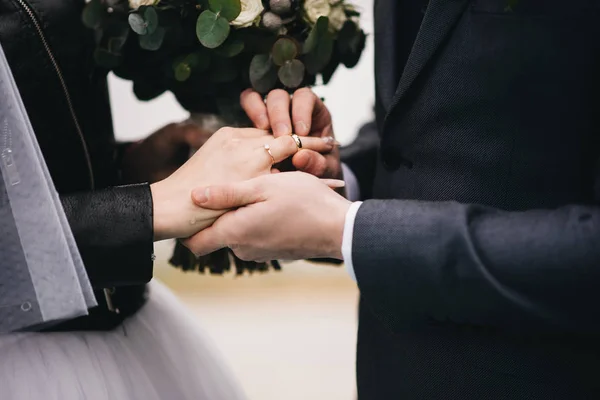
(206, 52)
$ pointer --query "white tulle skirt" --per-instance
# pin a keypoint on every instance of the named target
(161, 355)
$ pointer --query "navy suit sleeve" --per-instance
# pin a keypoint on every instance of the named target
(361, 157)
(469, 264)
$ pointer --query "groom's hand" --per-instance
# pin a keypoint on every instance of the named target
(160, 154)
(309, 117)
(289, 216)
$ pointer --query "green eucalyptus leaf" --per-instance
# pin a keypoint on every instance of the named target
(183, 71)
(284, 50)
(291, 74)
(151, 19)
(198, 61)
(263, 74)
(138, 24)
(320, 30)
(115, 44)
(93, 14)
(319, 58)
(212, 29)
(228, 9)
(230, 48)
(183, 67)
(260, 65)
(329, 70)
(153, 41)
(318, 47)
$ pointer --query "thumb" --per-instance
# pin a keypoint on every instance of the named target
(204, 242)
(310, 162)
(224, 197)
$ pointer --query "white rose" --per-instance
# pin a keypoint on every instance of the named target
(313, 9)
(135, 4)
(251, 10)
(337, 18)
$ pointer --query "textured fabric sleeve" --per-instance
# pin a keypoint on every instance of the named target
(470, 264)
(361, 158)
(113, 229)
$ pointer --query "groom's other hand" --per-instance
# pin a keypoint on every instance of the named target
(289, 216)
(308, 117)
(162, 153)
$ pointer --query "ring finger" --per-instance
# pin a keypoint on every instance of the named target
(283, 147)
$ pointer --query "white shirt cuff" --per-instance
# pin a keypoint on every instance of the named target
(352, 188)
(348, 236)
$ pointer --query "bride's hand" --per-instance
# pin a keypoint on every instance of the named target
(231, 154)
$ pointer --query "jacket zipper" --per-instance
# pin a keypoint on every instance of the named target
(107, 292)
(63, 84)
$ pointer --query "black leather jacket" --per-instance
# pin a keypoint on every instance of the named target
(66, 97)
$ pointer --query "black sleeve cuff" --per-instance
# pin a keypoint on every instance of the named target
(113, 229)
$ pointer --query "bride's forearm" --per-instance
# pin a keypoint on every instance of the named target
(175, 216)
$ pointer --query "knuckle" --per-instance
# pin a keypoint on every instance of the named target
(231, 144)
(304, 92)
(254, 194)
(225, 132)
(320, 169)
(192, 247)
(246, 93)
(242, 254)
(291, 143)
(229, 196)
(277, 94)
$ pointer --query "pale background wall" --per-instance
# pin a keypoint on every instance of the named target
(288, 335)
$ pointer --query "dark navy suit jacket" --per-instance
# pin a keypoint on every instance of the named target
(477, 252)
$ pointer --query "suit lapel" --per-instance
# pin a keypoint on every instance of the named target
(385, 49)
(440, 17)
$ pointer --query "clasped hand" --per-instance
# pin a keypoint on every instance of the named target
(291, 215)
(230, 155)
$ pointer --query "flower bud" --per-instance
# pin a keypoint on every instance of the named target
(280, 7)
(272, 21)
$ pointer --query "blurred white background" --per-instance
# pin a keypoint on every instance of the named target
(288, 335)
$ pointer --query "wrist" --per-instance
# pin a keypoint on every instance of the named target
(160, 205)
(335, 231)
(175, 215)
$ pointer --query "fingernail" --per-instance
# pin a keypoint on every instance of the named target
(334, 183)
(301, 128)
(331, 141)
(201, 195)
(282, 129)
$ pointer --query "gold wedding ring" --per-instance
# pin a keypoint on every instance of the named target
(268, 149)
(297, 140)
